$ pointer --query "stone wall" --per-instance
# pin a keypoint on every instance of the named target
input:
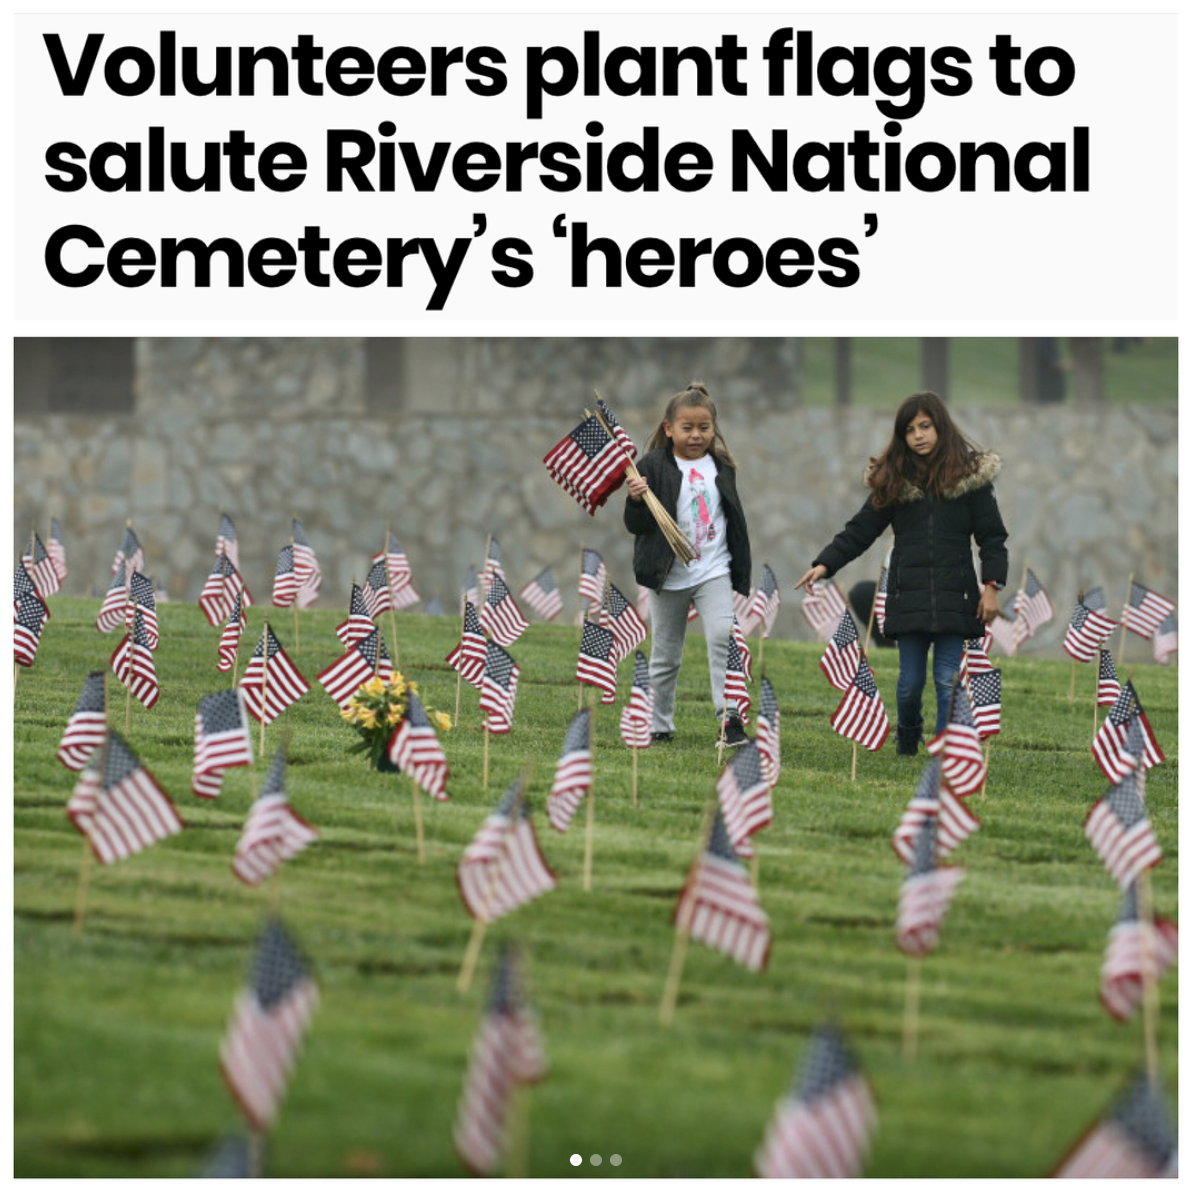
(444, 439)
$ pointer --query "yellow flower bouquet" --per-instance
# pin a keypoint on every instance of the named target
(375, 710)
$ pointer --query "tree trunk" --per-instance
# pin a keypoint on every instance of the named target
(934, 366)
(1087, 370)
(843, 350)
(1028, 370)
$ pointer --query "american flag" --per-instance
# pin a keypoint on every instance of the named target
(769, 734)
(503, 867)
(87, 726)
(1094, 599)
(1007, 632)
(823, 607)
(271, 1015)
(635, 722)
(401, 578)
(842, 656)
(499, 688)
(933, 799)
(974, 658)
(222, 740)
(376, 589)
(468, 657)
(1119, 829)
(226, 543)
(822, 1128)
(879, 609)
(134, 663)
(742, 645)
(742, 604)
(1166, 639)
(285, 584)
(925, 896)
(217, 595)
(628, 446)
(642, 597)
(718, 906)
(588, 463)
(305, 565)
(471, 587)
(29, 617)
(1122, 985)
(22, 585)
(624, 621)
(1109, 745)
(1145, 610)
(506, 1053)
(766, 600)
(986, 698)
(355, 667)
(574, 772)
(1032, 605)
(959, 746)
(273, 832)
(142, 595)
(1088, 629)
(358, 622)
(861, 715)
(269, 690)
(41, 568)
(112, 608)
(54, 546)
(596, 663)
(500, 615)
(493, 558)
(415, 748)
(1134, 1140)
(227, 646)
(130, 552)
(591, 583)
(1107, 688)
(541, 595)
(118, 805)
(744, 799)
(735, 681)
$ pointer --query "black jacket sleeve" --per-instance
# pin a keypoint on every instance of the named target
(858, 534)
(637, 519)
(990, 535)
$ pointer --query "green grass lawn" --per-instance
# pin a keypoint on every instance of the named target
(117, 1032)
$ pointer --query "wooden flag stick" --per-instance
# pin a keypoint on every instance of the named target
(1149, 972)
(418, 824)
(678, 960)
(911, 1008)
(263, 692)
(485, 771)
(389, 586)
(635, 777)
(16, 673)
(129, 670)
(1099, 672)
(589, 799)
(854, 776)
(1074, 667)
(1120, 658)
(463, 612)
(519, 1127)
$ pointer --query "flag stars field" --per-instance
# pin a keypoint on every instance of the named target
(1014, 1042)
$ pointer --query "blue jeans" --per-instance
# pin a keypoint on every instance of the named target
(913, 672)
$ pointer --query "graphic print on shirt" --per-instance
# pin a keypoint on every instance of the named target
(701, 515)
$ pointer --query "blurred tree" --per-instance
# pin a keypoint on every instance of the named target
(934, 366)
(842, 349)
(1087, 360)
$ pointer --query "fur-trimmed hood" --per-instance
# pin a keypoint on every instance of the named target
(988, 464)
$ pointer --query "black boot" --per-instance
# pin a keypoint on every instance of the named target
(907, 740)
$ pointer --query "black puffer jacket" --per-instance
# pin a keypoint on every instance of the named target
(653, 557)
(931, 584)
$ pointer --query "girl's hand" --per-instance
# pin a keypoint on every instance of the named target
(636, 486)
(815, 574)
(988, 605)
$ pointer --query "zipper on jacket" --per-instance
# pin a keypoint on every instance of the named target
(931, 501)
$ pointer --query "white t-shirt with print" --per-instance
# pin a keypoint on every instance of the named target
(700, 516)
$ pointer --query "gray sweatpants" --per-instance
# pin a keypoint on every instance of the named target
(670, 610)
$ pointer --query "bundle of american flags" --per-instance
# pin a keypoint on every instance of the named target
(1132, 944)
(270, 685)
(635, 722)
(271, 1015)
(574, 771)
(822, 1128)
(506, 1054)
(1144, 610)
(1135, 1139)
(87, 727)
(744, 799)
(367, 660)
(718, 905)
(499, 688)
(415, 749)
(861, 715)
(222, 740)
(503, 866)
(823, 607)
(273, 832)
(925, 895)
(963, 765)
(118, 805)
(541, 595)
(933, 800)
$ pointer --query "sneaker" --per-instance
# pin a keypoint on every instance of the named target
(663, 736)
(733, 735)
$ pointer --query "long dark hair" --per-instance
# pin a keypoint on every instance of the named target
(954, 457)
(694, 395)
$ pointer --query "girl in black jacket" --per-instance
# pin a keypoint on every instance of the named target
(936, 491)
(688, 468)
